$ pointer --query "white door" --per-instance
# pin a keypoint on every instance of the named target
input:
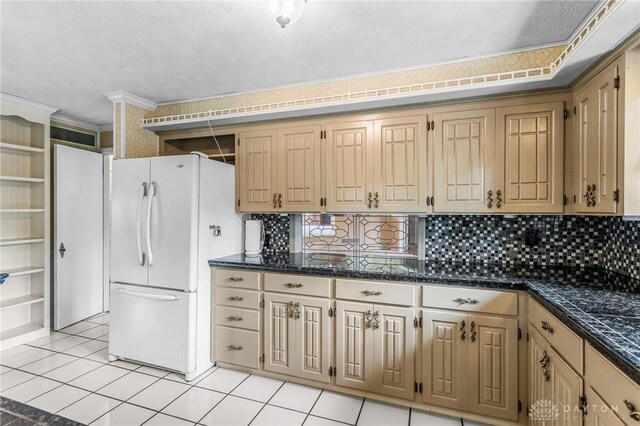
(172, 245)
(78, 235)
(128, 217)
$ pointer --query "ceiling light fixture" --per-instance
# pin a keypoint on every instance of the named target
(286, 12)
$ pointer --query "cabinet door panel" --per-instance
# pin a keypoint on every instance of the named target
(348, 166)
(394, 345)
(354, 346)
(278, 335)
(539, 387)
(598, 412)
(299, 168)
(463, 160)
(400, 175)
(257, 180)
(444, 355)
(529, 158)
(312, 339)
(493, 366)
(566, 388)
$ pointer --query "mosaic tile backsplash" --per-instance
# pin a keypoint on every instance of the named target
(608, 242)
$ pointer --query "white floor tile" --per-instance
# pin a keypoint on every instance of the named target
(14, 378)
(74, 369)
(232, 411)
(194, 404)
(257, 388)
(58, 398)
(30, 389)
(104, 338)
(99, 319)
(26, 357)
(127, 386)
(14, 351)
(100, 356)
(48, 339)
(222, 380)
(164, 420)
(296, 397)
(276, 416)
(319, 421)
(159, 395)
(94, 333)
(337, 406)
(99, 378)
(125, 364)
(125, 414)
(180, 377)
(64, 344)
(86, 348)
(5, 369)
(47, 364)
(78, 327)
(376, 413)
(152, 371)
(89, 409)
(474, 423)
(422, 418)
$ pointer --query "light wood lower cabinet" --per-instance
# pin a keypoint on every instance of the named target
(598, 412)
(470, 362)
(297, 336)
(375, 348)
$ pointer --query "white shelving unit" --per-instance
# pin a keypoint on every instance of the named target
(24, 220)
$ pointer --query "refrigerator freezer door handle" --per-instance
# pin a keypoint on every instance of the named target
(139, 250)
(168, 297)
(152, 193)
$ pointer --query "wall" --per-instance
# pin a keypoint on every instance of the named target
(585, 241)
(106, 139)
(139, 142)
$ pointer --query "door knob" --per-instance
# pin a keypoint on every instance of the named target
(62, 249)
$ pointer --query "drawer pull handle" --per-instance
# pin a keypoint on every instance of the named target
(293, 285)
(234, 348)
(463, 332)
(635, 415)
(375, 323)
(544, 363)
(236, 298)
(546, 327)
(235, 279)
(371, 293)
(234, 318)
(467, 300)
(367, 323)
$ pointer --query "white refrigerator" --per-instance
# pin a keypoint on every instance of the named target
(170, 215)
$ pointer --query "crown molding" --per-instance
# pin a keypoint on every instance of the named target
(105, 127)
(65, 119)
(17, 100)
(128, 98)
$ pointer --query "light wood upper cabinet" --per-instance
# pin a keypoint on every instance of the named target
(596, 144)
(348, 166)
(463, 145)
(257, 180)
(400, 164)
(354, 345)
(529, 158)
(298, 168)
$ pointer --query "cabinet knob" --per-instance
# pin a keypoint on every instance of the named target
(546, 327)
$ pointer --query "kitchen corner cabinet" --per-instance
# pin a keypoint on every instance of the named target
(256, 165)
(375, 346)
(463, 164)
(529, 158)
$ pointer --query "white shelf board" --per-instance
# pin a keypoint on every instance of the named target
(19, 331)
(21, 210)
(17, 241)
(22, 179)
(22, 148)
(25, 270)
(20, 301)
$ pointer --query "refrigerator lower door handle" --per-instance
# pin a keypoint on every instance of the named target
(166, 297)
(152, 194)
(138, 225)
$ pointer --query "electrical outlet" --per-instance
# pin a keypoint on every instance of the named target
(531, 237)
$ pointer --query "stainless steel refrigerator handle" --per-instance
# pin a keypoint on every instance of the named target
(168, 297)
(152, 193)
(139, 251)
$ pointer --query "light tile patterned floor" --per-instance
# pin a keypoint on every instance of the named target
(68, 373)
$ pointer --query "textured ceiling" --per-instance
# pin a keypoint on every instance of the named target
(69, 54)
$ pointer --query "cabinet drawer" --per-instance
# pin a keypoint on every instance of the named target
(236, 278)
(565, 341)
(239, 318)
(611, 384)
(376, 292)
(240, 347)
(237, 298)
(470, 299)
(297, 284)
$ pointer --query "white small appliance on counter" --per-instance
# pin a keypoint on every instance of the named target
(170, 215)
(253, 237)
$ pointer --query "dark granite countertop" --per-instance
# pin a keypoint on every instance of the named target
(601, 306)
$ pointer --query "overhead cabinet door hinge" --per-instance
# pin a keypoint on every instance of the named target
(238, 141)
(417, 387)
(575, 110)
(616, 82)
(262, 303)
(428, 126)
(330, 312)
(519, 406)
(616, 195)
(262, 358)
(566, 113)
(332, 371)
(420, 322)
(238, 202)
(565, 200)
(519, 334)
(415, 322)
